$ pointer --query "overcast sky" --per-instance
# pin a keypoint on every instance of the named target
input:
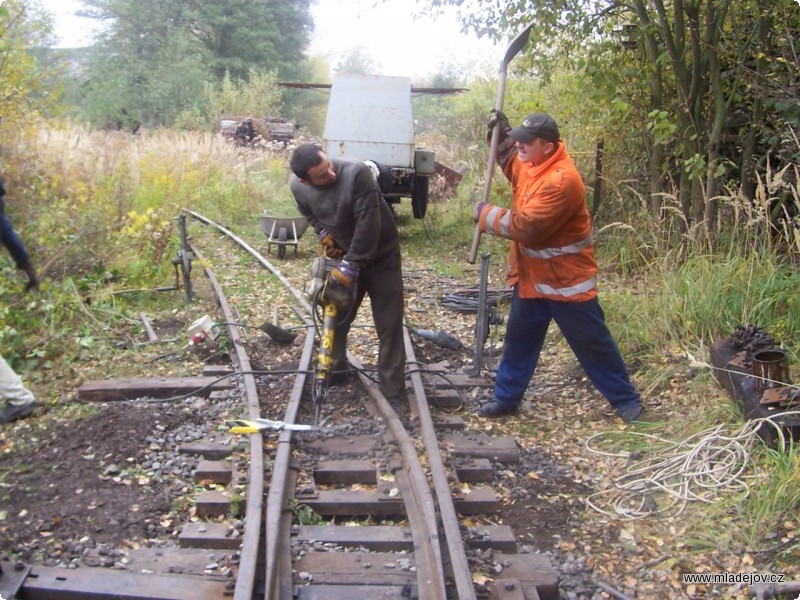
(387, 32)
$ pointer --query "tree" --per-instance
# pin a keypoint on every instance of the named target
(23, 89)
(721, 80)
(154, 58)
(357, 61)
(241, 34)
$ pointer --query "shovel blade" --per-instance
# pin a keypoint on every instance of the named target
(277, 334)
(517, 44)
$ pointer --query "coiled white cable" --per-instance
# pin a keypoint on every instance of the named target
(700, 468)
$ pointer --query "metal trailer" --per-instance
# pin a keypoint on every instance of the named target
(370, 117)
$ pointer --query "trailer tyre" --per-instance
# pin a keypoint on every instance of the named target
(419, 199)
(283, 235)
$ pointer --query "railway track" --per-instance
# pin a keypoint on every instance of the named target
(379, 501)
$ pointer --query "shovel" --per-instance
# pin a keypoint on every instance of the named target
(278, 334)
(513, 49)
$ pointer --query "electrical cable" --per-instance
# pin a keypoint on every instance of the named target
(423, 368)
(700, 468)
(466, 300)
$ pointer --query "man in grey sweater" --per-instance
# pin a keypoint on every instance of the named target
(342, 201)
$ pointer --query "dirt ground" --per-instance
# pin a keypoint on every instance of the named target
(72, 486)
(78, 483)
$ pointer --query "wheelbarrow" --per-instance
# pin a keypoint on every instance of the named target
(282, 232)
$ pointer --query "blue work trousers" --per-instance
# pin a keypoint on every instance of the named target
(583, 325)
(10, 239)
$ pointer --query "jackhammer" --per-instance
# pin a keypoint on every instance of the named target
(334, 299)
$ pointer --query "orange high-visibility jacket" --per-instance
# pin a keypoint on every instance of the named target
(552, 254)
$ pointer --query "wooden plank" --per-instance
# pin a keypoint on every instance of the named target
(459, 380)
(217, 370)
(206, 449)
(448, 422)
(498, 448)
(474, 470)
(445, 399)
(363, 568)
(350, 503)
(217, 471)
(181, 561)
(112, 390)
(533, 571)
(376, 538)
(510, 589)
(351, 592)
(11, 578)
(113, 584)
(211, 503)
(497, 537)
(479, 500)
(345, 471)
(214, 536)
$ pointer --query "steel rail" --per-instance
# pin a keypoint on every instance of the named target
(422, 511)
(447, 510)
(278, 487)
(264, 262)
(419, 502)
(246, 575)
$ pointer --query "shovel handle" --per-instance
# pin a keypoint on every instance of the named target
(476, 241)
(513, 49)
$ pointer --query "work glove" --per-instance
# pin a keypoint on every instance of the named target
(495, 117)
(339, 286)
(330, 248)
(345, 274)
(478, 209)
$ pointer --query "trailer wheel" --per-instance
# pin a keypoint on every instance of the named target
(283, 235)
(419, 199)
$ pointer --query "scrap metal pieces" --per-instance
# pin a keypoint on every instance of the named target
(750, 339)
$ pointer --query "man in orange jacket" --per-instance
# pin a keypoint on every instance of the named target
(552, 268)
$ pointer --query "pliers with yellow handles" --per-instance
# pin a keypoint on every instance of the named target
(259, 425)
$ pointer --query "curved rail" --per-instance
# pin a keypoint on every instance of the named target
(267, 542)
(420, 505)
(264, 262)
(450, 524)
(422, 512)
(276, 526)
(246, 577)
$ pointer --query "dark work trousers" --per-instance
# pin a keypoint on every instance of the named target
(10, 239)
(383, 283)
(584, 328)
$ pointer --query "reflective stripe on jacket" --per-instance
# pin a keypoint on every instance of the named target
(552, 254)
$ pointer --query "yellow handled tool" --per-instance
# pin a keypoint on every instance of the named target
(260, 425)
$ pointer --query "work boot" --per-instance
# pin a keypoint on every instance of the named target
(398, 401)
(341, 372)
(495, 409)
(33, 278)
(13, 412)
(631, 414)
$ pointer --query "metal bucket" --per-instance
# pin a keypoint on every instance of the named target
(770, 369)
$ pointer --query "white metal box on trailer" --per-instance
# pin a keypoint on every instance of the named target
(370, 117)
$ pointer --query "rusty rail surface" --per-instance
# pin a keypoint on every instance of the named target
(246, 576)
(266, 566)
(419, 501)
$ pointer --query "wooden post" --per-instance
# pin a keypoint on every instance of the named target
(598, 180)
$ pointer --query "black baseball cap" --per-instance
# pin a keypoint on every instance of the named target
(536, 125)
